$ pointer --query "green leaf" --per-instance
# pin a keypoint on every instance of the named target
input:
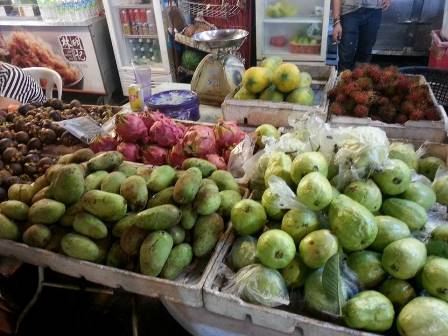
(438, 248)
(332, 281)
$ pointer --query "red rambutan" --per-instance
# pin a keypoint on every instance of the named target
(407, 107)
(417, 114)
(346, 75)
(401, 118)
(431, 113)
(387, 113)
(340, 98)
(363, 97)
(361, 111)
(337, 109)
(383, 101)
(350, 87)
(374, 72)
(396, 100)
(358, 73)
(365, 83)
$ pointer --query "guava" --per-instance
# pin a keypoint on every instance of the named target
(295, 273)
(286, 77)
(271, 94)
(333, 170)
(244, 252)
(248, 217)
(305, 79)
(266, 130)
(399, 292)
(299, 222)
(404, 258)
(440, 187)
(428, 166)
(265, 286)
(409, 212)
(269, 201)
(275, 249)
(438, 242)
(425, 316)
(243, 94)
(394, 178)
(352, 223)
(421, 194)
(308, 162)
(273, 225)
(369, 310)
(390, 229)
(435, 277)
(315, 296)
(279, 165)
(317, 247)
(365, 193)
(302, 96)
(315, 191)
(367, 267)
(404, 152)
(256, 79)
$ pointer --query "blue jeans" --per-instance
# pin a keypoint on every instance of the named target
(359, 31)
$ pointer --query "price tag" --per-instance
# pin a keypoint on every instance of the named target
(83, 128)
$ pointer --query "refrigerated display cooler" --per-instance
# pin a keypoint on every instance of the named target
(138, 34)
(296, 30)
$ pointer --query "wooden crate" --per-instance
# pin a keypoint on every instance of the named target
(255, 112)
(424, 130)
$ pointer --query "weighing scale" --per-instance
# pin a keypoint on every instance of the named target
(220, 72)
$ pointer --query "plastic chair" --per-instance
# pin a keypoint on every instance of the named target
(50, 76)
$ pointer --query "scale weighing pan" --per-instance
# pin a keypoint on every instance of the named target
(222, 38)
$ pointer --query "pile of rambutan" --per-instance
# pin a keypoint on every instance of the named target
(381, 94)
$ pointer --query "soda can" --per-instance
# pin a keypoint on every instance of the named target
(124, 16)
(135, 97)
(138, 25)
(144, 22)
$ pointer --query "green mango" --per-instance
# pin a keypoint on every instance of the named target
(180, 257)
(15, 210)
(208, 200)
(187, 186)
(46, 211)
(134, 190)
(90, 226)
(106, 206)
(112, 182)
(79, 247)
(178, 234)
(154, 252)
(206, 233)
(189, 216)
(21, 192)
(105, 161)
(161, 177)
(116, 257)
(228, 199)
(131, 240)
(161, 217)
(70, 214)
(123, 224)
(68, 184)
(164, 196)
(93, 181)
(206, 167)
(8, 229)
(224, 180)
(127, 169)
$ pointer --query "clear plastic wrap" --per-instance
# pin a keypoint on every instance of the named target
(241, 155)
(258, 284)
(286, 197)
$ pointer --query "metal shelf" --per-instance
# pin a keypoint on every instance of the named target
(40, 23)
(299, 19)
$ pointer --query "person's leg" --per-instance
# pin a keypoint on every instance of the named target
(368, 31)
(349, 42)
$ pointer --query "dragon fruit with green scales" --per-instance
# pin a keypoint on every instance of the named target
(166, 133)
(199, 141)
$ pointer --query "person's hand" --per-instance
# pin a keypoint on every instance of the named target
(385, 4)
(337, 33)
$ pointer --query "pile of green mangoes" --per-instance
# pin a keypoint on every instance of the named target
(104, 210)
(370, 225)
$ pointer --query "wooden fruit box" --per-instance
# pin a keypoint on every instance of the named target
(254, 112)
(424, 130)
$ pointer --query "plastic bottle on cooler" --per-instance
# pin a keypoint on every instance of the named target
(125, 23)
(151, 21)
(137, 21)
(144, 22)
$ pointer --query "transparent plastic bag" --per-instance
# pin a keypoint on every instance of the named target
(241, 155)
(286, 197)
(258, 284)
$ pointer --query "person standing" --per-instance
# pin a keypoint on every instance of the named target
(355, 28)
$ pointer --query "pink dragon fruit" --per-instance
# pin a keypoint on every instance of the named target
(154, 155)
(217, 160)
(130, 151)
(199, 141)
(176, 156)
(166, 133)
(130, 128)
(149, 118)
(228, 134)
(103, 143)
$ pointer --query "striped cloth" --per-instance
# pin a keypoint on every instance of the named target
(15, 84)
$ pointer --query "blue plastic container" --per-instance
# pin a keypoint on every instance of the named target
(177, 104)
